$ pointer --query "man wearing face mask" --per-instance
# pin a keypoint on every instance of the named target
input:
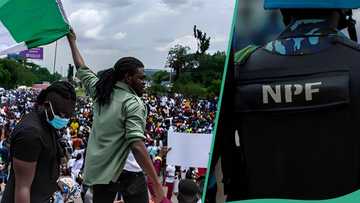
(34, 149)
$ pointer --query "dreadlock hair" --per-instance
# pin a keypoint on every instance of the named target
(63, 88)
(108, 78)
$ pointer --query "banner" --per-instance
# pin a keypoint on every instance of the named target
(188, 149)
(35, 53)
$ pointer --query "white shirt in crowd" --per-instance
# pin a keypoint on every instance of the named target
(170, 174)
(76, 167)
(3, 99)
(131, 164)
(183, 173)
(78, 151)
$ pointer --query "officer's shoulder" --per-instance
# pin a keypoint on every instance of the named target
(241, 56)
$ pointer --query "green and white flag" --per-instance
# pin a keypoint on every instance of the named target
(30, 23)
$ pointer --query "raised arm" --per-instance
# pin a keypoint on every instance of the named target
(78, 59)
(87, 77)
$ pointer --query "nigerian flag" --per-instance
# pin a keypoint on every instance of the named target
(30, 23)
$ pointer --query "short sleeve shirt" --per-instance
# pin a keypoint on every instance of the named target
(34, 140)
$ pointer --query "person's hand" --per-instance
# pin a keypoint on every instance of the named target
(71, 35)
(159, 193)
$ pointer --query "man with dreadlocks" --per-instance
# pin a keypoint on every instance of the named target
(34, 147)
(118, 128)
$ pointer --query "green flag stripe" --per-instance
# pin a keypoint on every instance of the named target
(46, 38)
(35, 22)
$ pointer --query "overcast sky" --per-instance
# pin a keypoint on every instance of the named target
(147, 29)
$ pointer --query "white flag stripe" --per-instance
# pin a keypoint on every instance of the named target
(14, 49)
(5, 37)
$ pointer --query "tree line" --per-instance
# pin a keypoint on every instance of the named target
(196, 74)
(16, 72)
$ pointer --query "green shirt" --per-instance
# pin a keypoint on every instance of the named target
(114, 128)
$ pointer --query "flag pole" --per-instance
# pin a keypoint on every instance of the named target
(55, 57)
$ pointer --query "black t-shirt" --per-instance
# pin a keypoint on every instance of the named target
(34, 139)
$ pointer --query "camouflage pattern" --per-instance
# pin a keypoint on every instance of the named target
(304, 37)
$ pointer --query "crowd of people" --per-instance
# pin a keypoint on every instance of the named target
(179, 113)
(165, 113)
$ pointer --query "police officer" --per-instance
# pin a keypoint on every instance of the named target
(296, 104)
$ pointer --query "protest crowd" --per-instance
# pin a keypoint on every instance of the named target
(165, 113)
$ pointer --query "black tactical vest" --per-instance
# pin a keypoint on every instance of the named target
(296, 124)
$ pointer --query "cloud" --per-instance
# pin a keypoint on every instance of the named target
(198, 4)
(218, 39)
(181, 4)
(110, 29)
(163, 40)
(174, 3)
(94, 33)
(187, 40)
(89, 22)
(107, 3)
(100, 51)
(116, 3)
(120, 35)
(2, 47)
(154, 12)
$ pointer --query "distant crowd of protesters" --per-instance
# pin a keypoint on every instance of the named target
(165, 113)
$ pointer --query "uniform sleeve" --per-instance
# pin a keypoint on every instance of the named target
(26, 145)
(135, 120)
(88, 79)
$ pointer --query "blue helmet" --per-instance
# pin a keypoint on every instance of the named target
(312, 4)
(343, 6)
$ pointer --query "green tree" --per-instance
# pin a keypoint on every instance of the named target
(14, 73)
(177, 59)
(160, 76)
(203, 42)
(4, 77)
(157, 89)
(196, 74)
(13, 68)
(25, 76)
(191, 89)
(55, 77)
